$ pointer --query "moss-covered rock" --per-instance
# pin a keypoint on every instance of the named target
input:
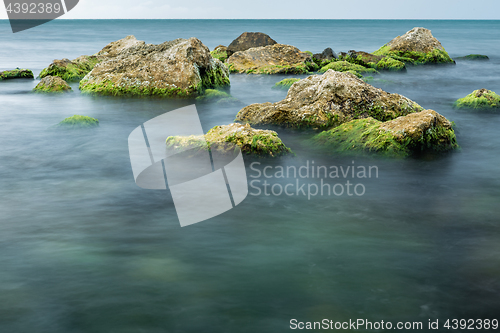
(417, 47)
(272, 59)
(344, 66)
(16, 74)
(179, 68)
(285, 84)
(71, 70)
(217, 96)
(220, 52)
(52, 84)
(362, 58)
(479, 99)
(78, 121)
(328, 100)
(473, 57)
(423, 131)
(251, 141)
(390, 64)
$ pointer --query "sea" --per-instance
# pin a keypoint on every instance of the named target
(83, 249)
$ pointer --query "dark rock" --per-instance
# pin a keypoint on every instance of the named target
(248, 40)
(327, 54)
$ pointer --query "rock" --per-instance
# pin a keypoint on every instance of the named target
(344, 66)
(78, 121)
(479, 99)
(474, 57)
(220, 52)
(75, 70)
(327, 54)
(251, 141)
(328, 100)
(16, 74)
(417, 46)
(285, 83)
(272, 59)
(406, 135)
(391, 64)
(247, 40)
(178, 68)
(52, 84)
(71, 70)
(220, 97)
(362, 58)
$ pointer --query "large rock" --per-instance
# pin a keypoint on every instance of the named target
(272, 59)
(247, 40)
(423, 131)
(52, 84)
(328, 100)
(16, 74)
(479, 99)
(417, 46)
(178, 68)
(76, 69)
(223, 138)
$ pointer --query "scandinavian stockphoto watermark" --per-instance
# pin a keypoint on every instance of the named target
(310, 179)
(27, 14)
(203, 182)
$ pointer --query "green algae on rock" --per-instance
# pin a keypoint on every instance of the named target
(423, 131)
(328, 100)
(217, 96)
(417, 47)
(271, 59)
(285, 83)
(180, 68)
(264, 143)
(78, 121)
(344, 66)
(473, 57)
(390, 64)
(479, 99)
(16, 74)
(52, 84)
(71, 70)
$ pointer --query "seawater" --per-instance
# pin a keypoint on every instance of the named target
(83, 249)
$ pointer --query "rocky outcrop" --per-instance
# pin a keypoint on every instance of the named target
(479, 99)
(76, 69)
(52, 84)
(16, 74)
(220, 52)
(328, 100)
(272, 59)
(423, 131)
(327, 54)
(417, 46)
(178, 68)
(251, 141)
(78, 121)
(247, 40)
(216, 96)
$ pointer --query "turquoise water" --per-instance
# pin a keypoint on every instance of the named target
(83, 249)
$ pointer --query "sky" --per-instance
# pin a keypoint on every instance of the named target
(289, 9)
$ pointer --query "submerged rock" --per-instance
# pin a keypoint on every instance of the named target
(417, 46)
(78, 121)
(247, 40)
(328, 100)
(473, 57)
(285, 83)
(423, 131)
(479, 99)
(178, 68)
(220, 52)
(217, 96)
(16, 74)
(272, 59)
(251, 141)
(52, 84)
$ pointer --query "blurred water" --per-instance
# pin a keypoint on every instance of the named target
(83, 249)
